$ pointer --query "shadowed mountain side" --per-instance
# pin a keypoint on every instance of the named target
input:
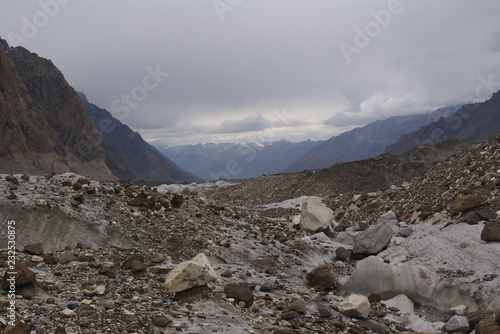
(365, 142)
(472, 122)
(129, 155)
(44, 127)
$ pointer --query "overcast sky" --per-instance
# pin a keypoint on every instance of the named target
(189, 71)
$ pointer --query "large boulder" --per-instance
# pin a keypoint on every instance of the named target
(315, 215)
(188, 274)
(457, 323)
(356, 306)
(372, 240)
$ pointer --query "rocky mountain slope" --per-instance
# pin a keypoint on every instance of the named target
(365, 142)
(430, 246)
(472, 122)
(128, 155)
(214, 161)
(43, 125)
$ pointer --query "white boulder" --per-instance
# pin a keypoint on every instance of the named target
(188, 274)
(315, 215)
(356, 306)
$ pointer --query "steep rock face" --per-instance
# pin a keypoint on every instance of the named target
(472, 122)
(44, 126)
(365, 142)
(129, 156)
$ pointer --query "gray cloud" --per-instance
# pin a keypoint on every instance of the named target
(227, 77)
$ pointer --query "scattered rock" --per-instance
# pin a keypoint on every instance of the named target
(161, 320)
(457, 323)
(342, 254)
(34, 249)
(240, 293)
(491, 231)
(387, 217)
(405, 232)
(66, 257)
(18, 328)
(19, 275)
(177, 201)
(465, 202)
(356, 306)
(321, 277)
(188, 274)
(373, 240)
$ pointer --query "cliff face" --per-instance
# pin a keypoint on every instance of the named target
(129, 155)
(44, 127)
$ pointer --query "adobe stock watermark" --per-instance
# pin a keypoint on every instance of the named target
(11, 273)
(225, 6)
(31, 26)
(363, 37)
(233, 167)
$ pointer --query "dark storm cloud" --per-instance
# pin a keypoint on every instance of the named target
(230, 68)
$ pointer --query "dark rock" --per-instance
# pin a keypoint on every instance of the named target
(491, 231)
(75, 203)
(50, 259)
(137, 266)
(161, 320)
(405, 232)
(60, 330)
(488, 326)
(239, 293)
(14, 180)
(129, 263)
(465, 202)
(473, 219)
(19, 328)
(77, 186)
(486, 214)
(325, 312)
(291, 314)
(22, 275)
(164, 202)
(477, 316)
(321, 277)
(25, 177)
(137, 202)
(374, 297)
(12, 196)
(34, 249)
(227, 273)
(79, 198)
(177, 201)
(375, 327)
(342, 254)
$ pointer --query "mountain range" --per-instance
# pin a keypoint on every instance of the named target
(472, 122)
(364, 142)
(214, 161)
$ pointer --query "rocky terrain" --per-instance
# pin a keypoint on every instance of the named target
(414, 253)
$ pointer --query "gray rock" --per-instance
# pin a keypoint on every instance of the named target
(405, 232)
(387, 217)
(66, 257)
(373, 240)
(456, 323)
